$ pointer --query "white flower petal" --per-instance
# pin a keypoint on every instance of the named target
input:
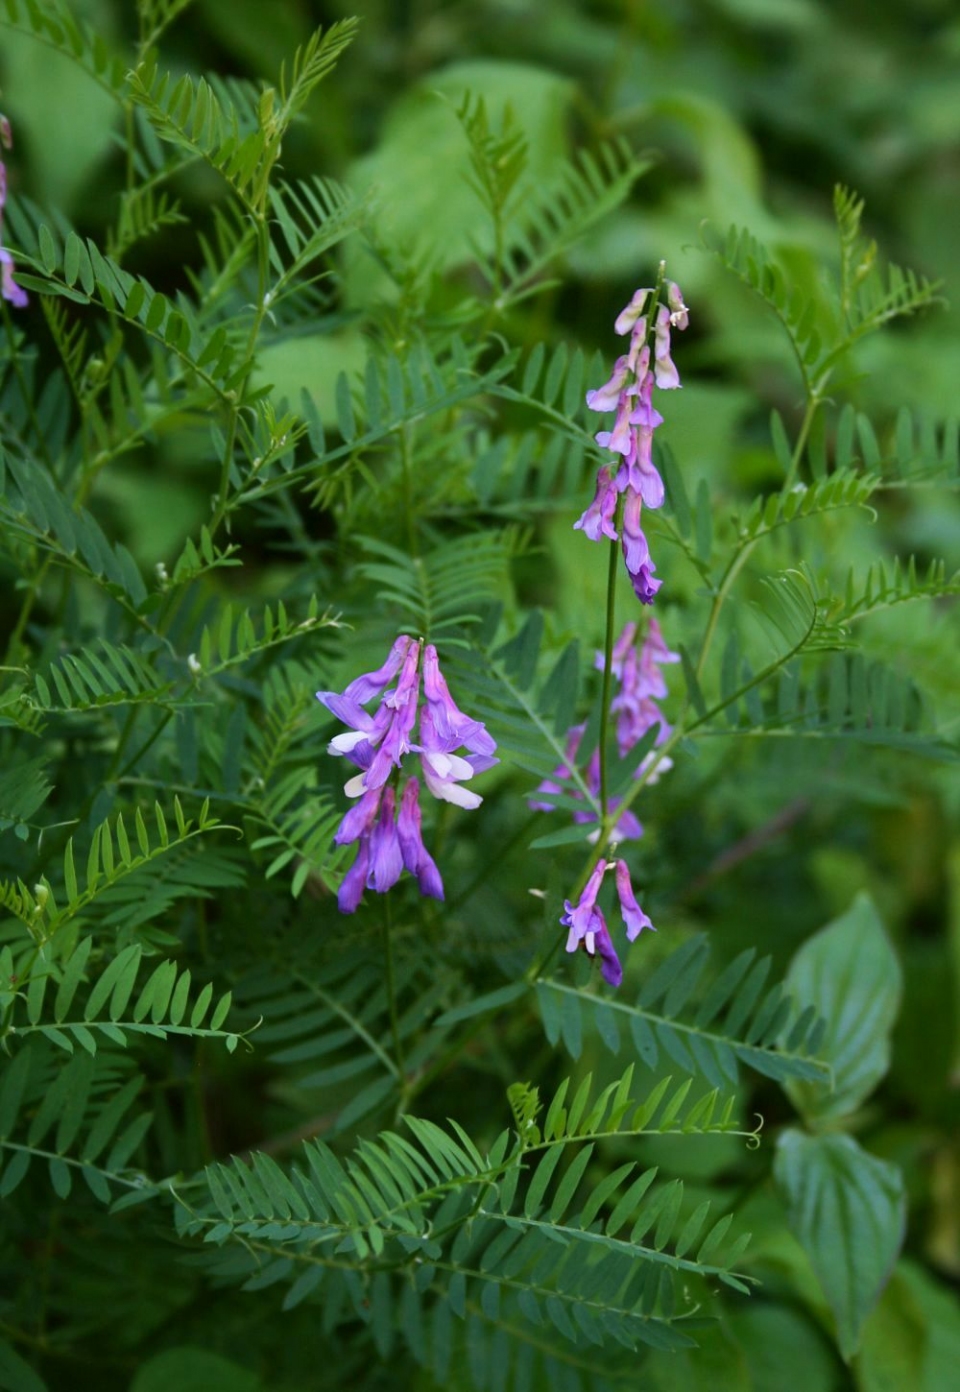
(342, 744)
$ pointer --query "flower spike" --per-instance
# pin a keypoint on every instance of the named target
(634, 479)
(387, 832)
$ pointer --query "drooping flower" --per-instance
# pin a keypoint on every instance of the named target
(665, 373)
(376, 744)
(449, 722)
(587, 927)
(560, 782)
(443, 771)
(389, 836)
(635, 478)
(416, 857)
(636, 552)
(605, 398)
(628, 317)
(639, 686)
(598, 520)
(12, 292)
(679, 314)
(634, 918)
(386, 858)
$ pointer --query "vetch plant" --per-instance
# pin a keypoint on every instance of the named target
(389, 834)
(323, 1059)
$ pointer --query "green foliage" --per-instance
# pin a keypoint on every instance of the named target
(625, 1117)
(761, 1029)
(451, 1228)
(849, 973)
(848, 1210)
(305, 368)
(862, 302)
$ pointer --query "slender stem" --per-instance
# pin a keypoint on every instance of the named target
(740, 559)
(26, 609)
(813, 404)
(391, 984)
(720, 595)
(607, 661)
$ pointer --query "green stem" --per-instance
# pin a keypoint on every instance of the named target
(614, 552)
(742, 556)
(391, 985)
(813, 405)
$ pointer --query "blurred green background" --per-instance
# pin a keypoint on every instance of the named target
(750, 111)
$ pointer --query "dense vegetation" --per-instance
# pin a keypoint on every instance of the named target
(308, 333)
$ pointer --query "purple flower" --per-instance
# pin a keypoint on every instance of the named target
(627, 827)
(630, 393)
(679, 314)
(443, 771)
(359, 819)
(633, 916)
(642, 472)
(620, 438)
(369, 684)
(386, 858)
(376, 744)
(450, 725)
(390, 838)
(9, 288)
(639, 354)
(587, 927)
(641, 684)
(598, 520)
(653, 655)
(599, 941)
(416, 857)
(629, 316)
(581, 919)
(636, 552)
(666, 374)
(354, 881)
(605, 398)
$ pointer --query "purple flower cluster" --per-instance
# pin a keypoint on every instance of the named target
(629, 392)
(588, 927)
(9, 288)
(640, 686)
(389, 836)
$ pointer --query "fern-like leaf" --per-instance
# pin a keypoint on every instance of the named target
(759, 1030)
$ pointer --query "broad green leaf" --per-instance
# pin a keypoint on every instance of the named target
(848, 1211)
(850, 974)
(776, 1340)
(16, 1375)
(893, 1348)
(186, 1369)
